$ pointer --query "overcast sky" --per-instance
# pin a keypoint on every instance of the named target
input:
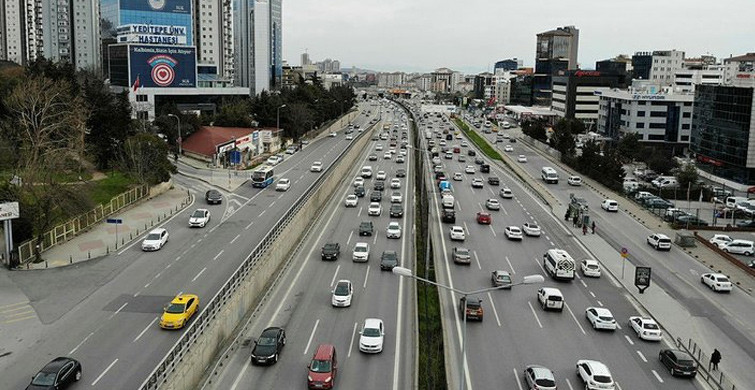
(470, 35)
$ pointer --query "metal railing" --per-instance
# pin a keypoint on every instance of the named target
(717, 380)
(181, 347)
(27, 250)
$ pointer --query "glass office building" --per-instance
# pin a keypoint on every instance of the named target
(116, 13)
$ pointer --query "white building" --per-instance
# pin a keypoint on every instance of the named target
(657, 114)
(739, 71)
(330, 80)
(213, 36)
(686, 79)
(665, 64)
(391, 80)
(12, 33)
(257, 44)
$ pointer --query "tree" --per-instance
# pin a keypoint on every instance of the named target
(562, 138)
(145, 156)
(536, 129)
(661, 162)
(630, 148)
(687, 176)
(298, 120)
(234, 114)
(109, 122)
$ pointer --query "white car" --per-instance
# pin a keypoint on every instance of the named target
(395, 183)
(610, 205)
(464, 144)
(508, 148)
(350, 136)
(273, 160)
(393, 230)
(199, 218)
(359, 181)
(316, 166)
(396, 197)
(458, 176)
(381, 175)
(351, 200)
(590, 267)
(342, 294)
(283, 185)
(477, 182)
(513, 233)
(387, 155)
(493, 204)
(470, 169)
(457, 233)
(522, 158)
(332, 134)
(716, 282)
(379, 147)
(740, 247)
(361, 252)
(595, 375)
(531, 229)
(720, 240)
(506, 193)
(659, 241)
(646, 328)
(371, 336)
(600, 318)
(155, 240)
(374, 209)
(574, 180)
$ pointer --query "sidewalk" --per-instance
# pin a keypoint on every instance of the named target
(101, 239)
(223, 178)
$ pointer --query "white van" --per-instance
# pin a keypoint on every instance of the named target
(559, 264)
(366, 171)
(549, 175)
(550, 298)
(732, 201)
(610, 205)
(741, 247)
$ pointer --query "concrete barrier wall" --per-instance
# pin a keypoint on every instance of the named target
(191, 370)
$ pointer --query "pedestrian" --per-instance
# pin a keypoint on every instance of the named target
(715, 359)
(593, 227)
(566, 216)
(574, 221)
(584, 229)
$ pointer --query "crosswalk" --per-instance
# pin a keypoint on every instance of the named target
(16, 312)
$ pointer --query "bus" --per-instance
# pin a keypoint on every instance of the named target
(549, 175)
(559, 264)
(262, 176)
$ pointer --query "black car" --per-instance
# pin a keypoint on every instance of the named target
(678, 362)
(471, 153)
(512, 140)
(268, 346)
(746, 224)
(388, 260)
(376, 196)
(379, 185)
(494, 180)
(448, 216)
(373, 157)
(479, 161)
(359, 191)
(401, 172)
(691, 220)
(449, 137)
(365, 228)
(331, 250)
(397, 210)
(484, 168)
(58, 374)
(213, 197)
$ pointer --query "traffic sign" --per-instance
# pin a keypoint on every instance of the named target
(642, 278)
(117, 221)
(624, 252)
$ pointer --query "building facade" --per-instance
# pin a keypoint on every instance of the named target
(723, 136)
(508, 64)
(555, 51)
(685, 80)
(574, 93)
(658, 66)
(13, 34)
(391, 80)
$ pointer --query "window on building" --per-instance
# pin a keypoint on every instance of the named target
(685, 126)
(684, 138)
(686, 114)
(657, 114)
(640, 125)
(640, 113)
(141, 98)
(655, 137)
(657, 125)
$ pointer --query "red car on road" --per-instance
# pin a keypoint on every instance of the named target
(484, 218)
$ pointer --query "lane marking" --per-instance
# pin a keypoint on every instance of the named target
(248, 226)
(351, 234)
(104, 372)
(200, 273)
(334, 275)
(218, 255)
(235, 238)
(492, 230)
(12, 305)
(311, 336)
(366, 275)
(575, 319)
(535, 315)
(477, 260)
(629, 339)
(495, 312)
(263, 212)
(657, 376)
(145, 330)
(642, 356)
(518, 382)
(511, 267)
(351, 344)
(119, 310)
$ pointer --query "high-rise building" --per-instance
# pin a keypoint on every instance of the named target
(509, 64)
(258, 44)
(305, 59)
(556, 51)
(658, 66)
(213, 37)
(13, 34)
(574, 93)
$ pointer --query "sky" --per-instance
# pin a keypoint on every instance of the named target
(471, 35)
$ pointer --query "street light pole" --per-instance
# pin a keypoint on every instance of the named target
(406, 272)
(180, 139)
(278, 118)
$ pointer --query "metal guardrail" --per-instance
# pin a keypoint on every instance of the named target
(158, 376)
(719, 381)
(27, 250)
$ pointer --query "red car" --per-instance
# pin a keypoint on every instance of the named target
(457, 150)
(484, 218)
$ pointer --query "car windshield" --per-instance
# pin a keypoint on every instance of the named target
(153, 236)
(533, 226)
(650, 325)
(176, 308)
(602, 379)
(462, 251)
(722, 279)
(371, 332)
(266, 341)
(360, 249)
(545, 382)
(198, 214)
(320, 366)
(605, 318)
(44, 379)
(342, 290)
(473, 305)
(504, 278)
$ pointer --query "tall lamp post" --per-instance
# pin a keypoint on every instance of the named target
(278, 117)
(406, 272)
(180, 139)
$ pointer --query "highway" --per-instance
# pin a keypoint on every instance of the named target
(301, 301)
(109, 322)
(515, 331)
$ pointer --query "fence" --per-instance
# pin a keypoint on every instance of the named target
(719, 381)
(64, 232)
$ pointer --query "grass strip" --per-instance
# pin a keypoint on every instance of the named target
(484, 146)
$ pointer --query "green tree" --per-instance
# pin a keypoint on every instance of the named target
(145, 157)
(687, 176)
(109, 121)
(661, 162)
(234, 114)
(630, 148)
(562, 138)
(536, 129)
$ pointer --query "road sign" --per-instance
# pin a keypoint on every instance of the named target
(624, 252)
(116, 221)
(9, 211)
(642, 278)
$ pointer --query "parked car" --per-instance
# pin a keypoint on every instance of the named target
(691, 220)
(720, 240)
(740, 247)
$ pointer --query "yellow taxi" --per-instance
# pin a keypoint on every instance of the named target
(178, 312)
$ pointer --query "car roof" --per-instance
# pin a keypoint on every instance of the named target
(324, 351)
(183, 298)
(362, 244)
(597, 368)
(551, 290)
(57, 363)
(541, 372)
(501, 272)
(372, 322)
(601, 310)
(158, 231)
(590, 261)
(271, 331)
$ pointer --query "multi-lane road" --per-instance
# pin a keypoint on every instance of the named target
(301, 302)
(112, 327)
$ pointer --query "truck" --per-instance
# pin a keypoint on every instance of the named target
(444, 185)
(448, 201)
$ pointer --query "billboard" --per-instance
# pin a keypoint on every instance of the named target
(169, 6)
(155, 66)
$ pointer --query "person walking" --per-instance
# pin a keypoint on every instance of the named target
(593, 227)
(584, 229)
(715, 359)
(574, 221)
(566, 216)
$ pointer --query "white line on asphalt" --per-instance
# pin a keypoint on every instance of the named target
(480, 205)
(263, 212)
(104, 372)
(374, 238)
(600, 303)
(400, 311)
(540, 265)
(200, 273)
(495, 312)
(657, 376)
(366, 275)
(311, 336)
(200, 240)
(476, 259)
(535, 315)
(146, 285)
(145, 330)
(466, 228)
(136, 294)
(618, 326)
(568, 383)
(591, 293)
(213, 229)
(218, 255)
(81, 343)
(629, 339)
(119, 310)
(575, 319)
(193, 245)
(158, 275)
(168, 266)
(504, 210)
(359, 214)
(235, 238)
(492, 230)
(271, 204)
(511, 267)
(351, 234)
(518, 382)
(248, 226)
(334, 275)
(353, 334)
(458, 205)
(642, 356)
